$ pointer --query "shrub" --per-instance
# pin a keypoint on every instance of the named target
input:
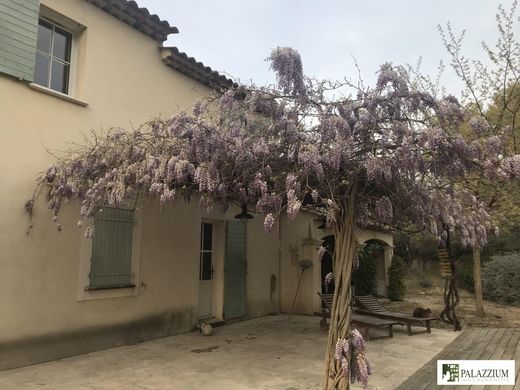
(396, 272)
(501, 279)
(364, 277)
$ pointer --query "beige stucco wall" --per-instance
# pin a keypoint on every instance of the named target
(296, 248)
(122, 78)
(120, 75)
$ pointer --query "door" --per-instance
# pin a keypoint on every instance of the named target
(235, 270)
(206, 271)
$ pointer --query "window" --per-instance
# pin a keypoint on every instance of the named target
(111, 261)
(206, 252)
(53, 56)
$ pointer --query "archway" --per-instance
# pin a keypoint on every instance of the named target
(385, 241)
(369, 277)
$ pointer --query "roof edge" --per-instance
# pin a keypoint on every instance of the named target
(189, 66)
(129, 12)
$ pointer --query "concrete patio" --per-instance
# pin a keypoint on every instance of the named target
(264, 353)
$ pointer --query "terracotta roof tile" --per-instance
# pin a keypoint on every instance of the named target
(197, 70)
(139, 18)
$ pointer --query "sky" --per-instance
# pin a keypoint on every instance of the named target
(235, 36)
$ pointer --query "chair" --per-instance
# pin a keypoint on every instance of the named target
(369, 305)
(360, 321)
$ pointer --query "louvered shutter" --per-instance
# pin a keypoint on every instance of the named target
(111, 262)
(18, 34)
(235, 294)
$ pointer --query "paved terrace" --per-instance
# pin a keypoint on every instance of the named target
(472, 344)
(264, 353)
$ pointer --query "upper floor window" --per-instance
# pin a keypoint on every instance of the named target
(53, 56)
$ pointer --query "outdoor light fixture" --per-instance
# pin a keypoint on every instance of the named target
(244, 215)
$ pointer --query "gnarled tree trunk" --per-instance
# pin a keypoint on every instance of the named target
(344, 252)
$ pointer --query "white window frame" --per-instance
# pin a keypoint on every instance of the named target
(76, 29)
(51, 57)
(202, 250)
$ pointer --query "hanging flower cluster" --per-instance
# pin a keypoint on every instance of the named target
(321, 252)
(350, 354)
(329, 279)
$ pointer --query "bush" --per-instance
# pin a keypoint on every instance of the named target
(501, 279)
(364, 277)
(396, 272)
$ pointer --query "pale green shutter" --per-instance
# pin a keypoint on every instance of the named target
(111, 262)
(235, 273)
(18, 33)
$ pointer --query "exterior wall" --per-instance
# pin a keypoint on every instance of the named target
(46, 313)
(300, 241)
(262, 258)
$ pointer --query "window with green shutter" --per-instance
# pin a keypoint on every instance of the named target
(111, 261)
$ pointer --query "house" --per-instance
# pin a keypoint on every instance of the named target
(71, 66)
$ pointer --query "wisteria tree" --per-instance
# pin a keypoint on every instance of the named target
(386, 155)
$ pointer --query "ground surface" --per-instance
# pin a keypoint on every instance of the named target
(265, 353)
(473, 344)
(497, 316)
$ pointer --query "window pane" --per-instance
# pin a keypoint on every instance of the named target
(41, 70)
(205, 266)
(60, 77)
(208, 236)
(44, 37)
(61, 47)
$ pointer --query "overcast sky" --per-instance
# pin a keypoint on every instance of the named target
(235, 36)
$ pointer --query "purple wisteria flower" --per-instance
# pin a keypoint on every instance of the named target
(287, 64)
(350, 353)
(321, 252)
(269, 223)
(329, 279)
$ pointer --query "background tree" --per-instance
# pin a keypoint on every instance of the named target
(364, 276)
(492, 98)
(385, 155)
(396, 274)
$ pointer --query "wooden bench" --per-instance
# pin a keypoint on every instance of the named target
(367, 322)
(369, 305)
(362, 322)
